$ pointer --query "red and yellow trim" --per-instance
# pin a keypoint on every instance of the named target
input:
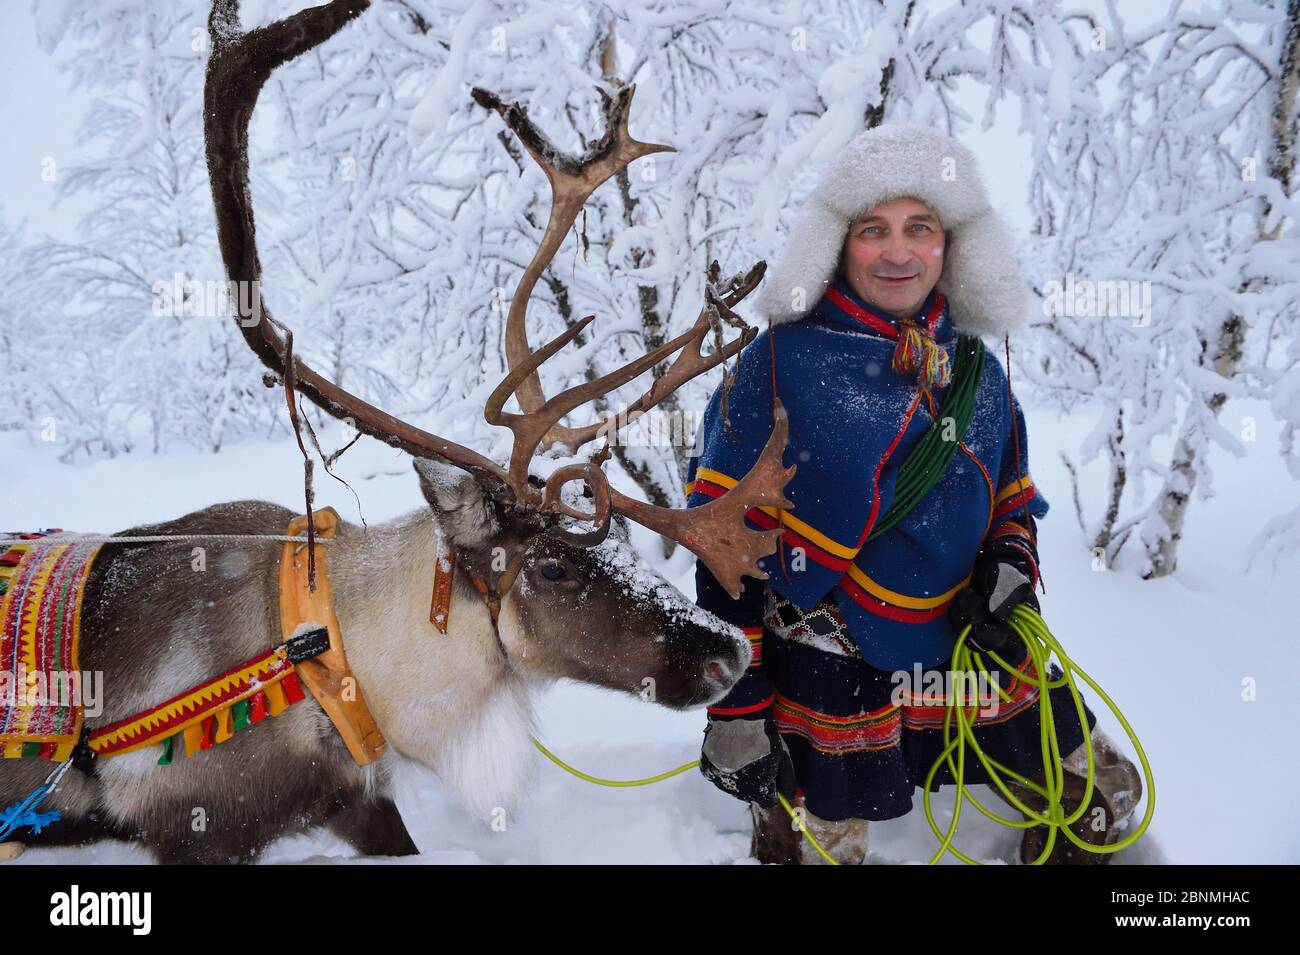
(820, 547)
(863, 732)
(1013, 496)
(203, 714)
(877, 599)
(882, 728)
(1022, 691)
(40, 636)
(755, 637)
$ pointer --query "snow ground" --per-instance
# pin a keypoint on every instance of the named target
(1172, 653)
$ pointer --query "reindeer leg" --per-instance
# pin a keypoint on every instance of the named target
(373, 828)
(168, 834)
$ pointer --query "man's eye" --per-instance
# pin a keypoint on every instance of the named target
(553, 570)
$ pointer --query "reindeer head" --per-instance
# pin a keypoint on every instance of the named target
(575, 602)
(598, 614)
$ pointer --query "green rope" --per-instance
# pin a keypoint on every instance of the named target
(1031, 629)
(927, 461)
(1041, 645)
(612, 782)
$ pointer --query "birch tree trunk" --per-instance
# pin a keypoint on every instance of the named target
(1171, 509)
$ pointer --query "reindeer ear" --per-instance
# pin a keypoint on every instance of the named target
(463, 506)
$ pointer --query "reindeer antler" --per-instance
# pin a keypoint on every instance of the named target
(716, 532)
(240, 64)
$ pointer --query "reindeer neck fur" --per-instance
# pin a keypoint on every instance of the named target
(451, 701)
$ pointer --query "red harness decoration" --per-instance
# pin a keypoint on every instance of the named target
(209, 713)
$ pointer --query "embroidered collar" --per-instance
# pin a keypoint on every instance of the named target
(842, 306)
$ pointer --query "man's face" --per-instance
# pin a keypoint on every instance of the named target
(893, 255)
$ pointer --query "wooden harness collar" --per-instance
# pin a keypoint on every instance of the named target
(328, 675)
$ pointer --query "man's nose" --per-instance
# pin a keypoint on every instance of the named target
(896, 252)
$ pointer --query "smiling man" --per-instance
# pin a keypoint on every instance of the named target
(894, 266)
(893, 255)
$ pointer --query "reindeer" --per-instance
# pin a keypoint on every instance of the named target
(565, 602)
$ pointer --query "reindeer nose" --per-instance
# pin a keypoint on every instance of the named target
(717, 669)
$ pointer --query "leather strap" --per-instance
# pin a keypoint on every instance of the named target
(492, 596)
(444, 573)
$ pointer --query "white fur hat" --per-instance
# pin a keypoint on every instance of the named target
(981, 278)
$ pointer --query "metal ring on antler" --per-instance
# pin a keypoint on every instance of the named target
(595, 479)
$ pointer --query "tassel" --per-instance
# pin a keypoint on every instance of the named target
(938, 371)
(257, 707)
(207, 741)
(292, 689)
(239, 716)
(223, 728)
(225, 722)
(907, 353)
(275, 702)
(917, 353)
(193, 739)
(24, 814)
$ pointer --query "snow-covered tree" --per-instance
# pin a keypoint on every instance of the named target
(420, 212)
(141, 337)
(396, 215)
(1167, 248)
(16, 364)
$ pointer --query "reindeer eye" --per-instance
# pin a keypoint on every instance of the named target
(552, 570)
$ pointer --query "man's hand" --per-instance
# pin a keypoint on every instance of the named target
(1001, 581)
(748, 759)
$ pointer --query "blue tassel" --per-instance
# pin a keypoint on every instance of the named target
(25, 814)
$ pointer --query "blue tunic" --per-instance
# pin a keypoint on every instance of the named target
(853, 421)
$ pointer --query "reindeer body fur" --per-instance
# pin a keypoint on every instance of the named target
(458, 703)
(154, 627)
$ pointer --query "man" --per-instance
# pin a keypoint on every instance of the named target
(895, 253)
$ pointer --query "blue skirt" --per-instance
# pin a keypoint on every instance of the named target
(862, 740)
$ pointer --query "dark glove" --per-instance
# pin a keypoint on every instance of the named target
(1002, 580)
(748, 759)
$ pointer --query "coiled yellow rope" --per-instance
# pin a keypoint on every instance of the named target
(1041, 646)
